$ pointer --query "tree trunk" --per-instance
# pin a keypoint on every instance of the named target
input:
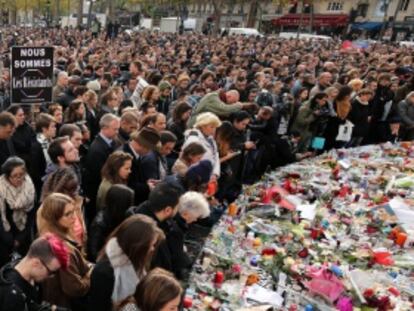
(80, 13)
(57, 11)
(111, 10)
(251, 19)
(242, 13)
(13, 16)
(311, 17)
(397, 9)
(301, 19)
(90, 15)
(386, 6)
(217, 16)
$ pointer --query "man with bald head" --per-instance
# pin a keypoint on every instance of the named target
(222, 104)
(61, 85)
(232, 97)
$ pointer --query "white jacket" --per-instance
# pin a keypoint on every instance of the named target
(195, 135)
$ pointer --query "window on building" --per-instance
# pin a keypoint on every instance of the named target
(335, 6)
(404, 5)
(279, 9)
(362, 9)
(307, 8)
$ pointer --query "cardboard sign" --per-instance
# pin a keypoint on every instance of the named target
(31, 75)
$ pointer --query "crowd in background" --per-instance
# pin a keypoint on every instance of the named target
(149, 135)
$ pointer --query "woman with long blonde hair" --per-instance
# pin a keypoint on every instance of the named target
(67, 288)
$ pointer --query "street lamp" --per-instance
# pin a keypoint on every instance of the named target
(4, 12)
(48, 13)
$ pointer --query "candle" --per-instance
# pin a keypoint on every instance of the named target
(303, 253)
(212, 188)
(236, 268)
(219, 277)
(232, 210)
(187, 302)
(254, 261)
(257, 242)
(394, 291)
(401, 238)
(315, 232)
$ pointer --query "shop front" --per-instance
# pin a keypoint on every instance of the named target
(321, 23)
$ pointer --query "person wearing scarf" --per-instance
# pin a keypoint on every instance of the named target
(17, 195)
(39, 157)
(123, 262)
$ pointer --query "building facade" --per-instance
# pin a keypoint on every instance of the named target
(322, 16)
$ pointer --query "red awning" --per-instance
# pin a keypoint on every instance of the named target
(319, 20)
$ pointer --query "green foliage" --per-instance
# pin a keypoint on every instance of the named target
(39, 6)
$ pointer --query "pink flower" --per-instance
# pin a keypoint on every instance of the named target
(344, 304)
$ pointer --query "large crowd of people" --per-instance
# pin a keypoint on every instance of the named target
(149, 135)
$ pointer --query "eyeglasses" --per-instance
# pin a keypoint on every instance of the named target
(18, 176)
(50, 273)
(69, 214)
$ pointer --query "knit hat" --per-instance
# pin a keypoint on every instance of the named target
(147, 137)
(163, 85)
(183, 77)
(94, 85)
(200, 172)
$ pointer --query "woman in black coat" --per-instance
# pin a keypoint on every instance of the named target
(178, 126)
(360, 116)
(233, 143)
(118, 199)
(23, 135)
(17, 196)
(123, 262)
(192, 207)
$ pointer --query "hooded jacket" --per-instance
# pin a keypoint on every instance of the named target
(16, 294)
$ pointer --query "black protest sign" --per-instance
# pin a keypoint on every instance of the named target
(31, 75)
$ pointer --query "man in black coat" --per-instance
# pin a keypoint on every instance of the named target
(129, 124)
(154, 165)
(23, 135)
(162, 206)
(39, 158)
(7, 127)
(140, 144)
(381, 106)
(102, 146)
(18, 281)
(91, 116)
